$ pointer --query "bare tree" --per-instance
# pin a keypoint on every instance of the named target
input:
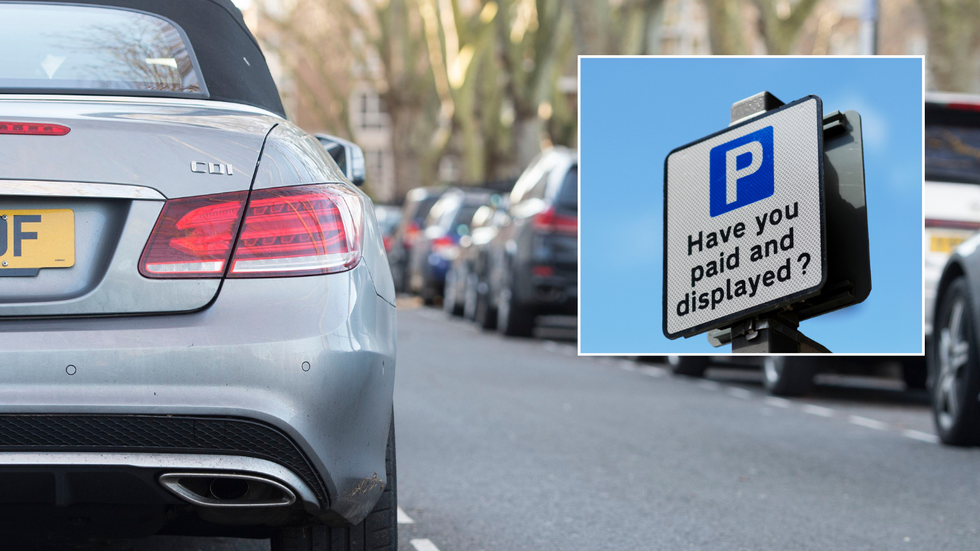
(954, 44)
(780, 22)
(726, 27)
(330, 46)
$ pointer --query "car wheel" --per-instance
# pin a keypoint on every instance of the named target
(787, 376)
(689, 366)
(485, 314)
(378, 532)
(914, 373)
(450, 304)
(470, 296)
(954, 392)
(514, 319)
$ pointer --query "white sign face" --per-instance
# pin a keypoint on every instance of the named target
(744, 220)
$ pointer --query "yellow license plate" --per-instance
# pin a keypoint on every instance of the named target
(37, 238)
(944, 243)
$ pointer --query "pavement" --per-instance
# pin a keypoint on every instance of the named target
(512, 444)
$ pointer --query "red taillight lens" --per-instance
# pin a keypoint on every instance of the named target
(287, 231)
(193, 237)
(549, 221)
(387, 240)
(411, 232)
(441, 243)
(542, 271)
(33, 129)
(964, 106)
(952, 224)
(299, 231)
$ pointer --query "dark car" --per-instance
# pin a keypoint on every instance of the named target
(418, 202)
(388, 218)
(466, 278)
(794, 375)
(438, 245)
(534, 256)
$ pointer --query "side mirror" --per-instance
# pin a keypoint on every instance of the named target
(347, 154)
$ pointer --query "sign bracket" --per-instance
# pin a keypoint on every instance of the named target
(773, 332)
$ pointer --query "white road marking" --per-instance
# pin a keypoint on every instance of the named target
(921, 436)
(433, 315)
(818, 410)
(626, 365)
(776, 401)
(739, 393)
(403, 518)
(869, 423)
(424, 545)
(709, 385)
(651, 371)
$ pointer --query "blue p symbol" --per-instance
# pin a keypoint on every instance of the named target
(742, 171)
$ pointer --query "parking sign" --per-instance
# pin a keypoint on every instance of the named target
(744, 228)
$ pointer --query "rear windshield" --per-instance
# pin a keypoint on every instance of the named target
(568, 194)
(63, 48)
(464, 216)
(423, 207)
(952, 145)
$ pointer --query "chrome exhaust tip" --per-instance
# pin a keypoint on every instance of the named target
(228, 489)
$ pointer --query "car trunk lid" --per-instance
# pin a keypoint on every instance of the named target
(80, 207)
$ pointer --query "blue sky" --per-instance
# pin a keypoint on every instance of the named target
(635, 111)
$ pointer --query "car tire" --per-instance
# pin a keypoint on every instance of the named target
(514, 318)
(470, 295)
(689, 366)
(377, 532)
(914, 373)
(784, 376)
(485, 315)
(956, 411)
(450, 303)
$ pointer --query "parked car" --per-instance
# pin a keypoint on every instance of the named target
(448, 221)
(418, 202)
(465, 271)
(534, 255)
(790, 375)
(192, 288)
(952, 212)
(388, 218)
(951, 194)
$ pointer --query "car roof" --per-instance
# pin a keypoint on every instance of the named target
(232, 64)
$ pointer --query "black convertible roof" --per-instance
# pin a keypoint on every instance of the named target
(233, 66)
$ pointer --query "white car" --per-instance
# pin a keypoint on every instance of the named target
(951, 196)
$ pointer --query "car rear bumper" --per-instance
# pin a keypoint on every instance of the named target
(556, 294)
(288, 372)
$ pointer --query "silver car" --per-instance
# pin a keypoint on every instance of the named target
(197, 321)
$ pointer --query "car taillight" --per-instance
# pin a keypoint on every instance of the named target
(442, 243)
(411, 232)
(33, 129)
(964, 106)
(193, 237)
(550, 221)
(542, 271)
(387, 240)
(299, 230)
(286, 231)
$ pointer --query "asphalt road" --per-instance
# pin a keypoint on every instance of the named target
(511, 444)
(508, 444)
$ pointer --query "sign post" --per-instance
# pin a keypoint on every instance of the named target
(756, 236)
